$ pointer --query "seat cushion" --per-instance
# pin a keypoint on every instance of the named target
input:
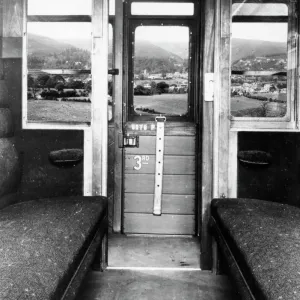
(42, 243)
(264, 238)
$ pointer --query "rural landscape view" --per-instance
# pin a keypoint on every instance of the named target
(161, 78)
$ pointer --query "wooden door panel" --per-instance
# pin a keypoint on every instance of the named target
(174, 145)
(164, 224)
(145, 164)
(172, 184)
(171, 204)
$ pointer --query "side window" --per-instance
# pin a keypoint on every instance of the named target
(59, 72)
(260, 61)
(57, 65)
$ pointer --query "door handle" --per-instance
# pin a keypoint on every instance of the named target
(129, 141)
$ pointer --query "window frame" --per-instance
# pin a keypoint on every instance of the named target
(288, 121)
(134, 21)
(64, 125)
(32, 124)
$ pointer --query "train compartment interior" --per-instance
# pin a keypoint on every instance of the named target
(149, 149)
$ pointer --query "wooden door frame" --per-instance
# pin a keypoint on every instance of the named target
(118, 115)
(121, 30)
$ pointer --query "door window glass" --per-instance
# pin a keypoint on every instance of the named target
(161, 70)
(162, 8)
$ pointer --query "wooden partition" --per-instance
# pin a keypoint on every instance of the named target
(178, 192)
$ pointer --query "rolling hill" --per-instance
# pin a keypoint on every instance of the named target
(147, 49)
(41, 45)
(242, 48)
(181, 49)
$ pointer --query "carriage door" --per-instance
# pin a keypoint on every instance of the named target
(159, 130)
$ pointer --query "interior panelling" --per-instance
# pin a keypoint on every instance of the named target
(40, 178)
(174, 145)
(171, 204)
(164, 224)
(278, 181)
(172, 165)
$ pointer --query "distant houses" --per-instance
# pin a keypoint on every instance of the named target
(160, 76)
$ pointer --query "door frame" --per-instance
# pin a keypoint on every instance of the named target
(121, 35)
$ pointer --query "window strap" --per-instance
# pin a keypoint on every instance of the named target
(159, 164)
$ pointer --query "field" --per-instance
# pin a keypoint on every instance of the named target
(47, 110)
(171, 104)
(63, 111)
(241, 103)
(168, 81)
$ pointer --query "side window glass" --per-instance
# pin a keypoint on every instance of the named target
(59, 76)
(259, 60)
(110, 77)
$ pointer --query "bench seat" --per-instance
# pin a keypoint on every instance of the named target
(260, 241)
(43, 244)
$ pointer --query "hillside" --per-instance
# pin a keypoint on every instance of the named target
(242, 48)
(41, 45)
(147, 49)
(181, 49)
(160, 57)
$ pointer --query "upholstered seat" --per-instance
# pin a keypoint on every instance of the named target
(43, 242)
(263, 241)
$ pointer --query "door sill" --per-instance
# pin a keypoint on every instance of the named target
(159, 235)
(154, 269)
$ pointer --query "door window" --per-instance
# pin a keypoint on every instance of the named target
(161, 82)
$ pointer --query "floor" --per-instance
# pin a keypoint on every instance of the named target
(150, 268)
(154, 252)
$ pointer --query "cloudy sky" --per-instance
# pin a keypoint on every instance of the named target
(268, 32)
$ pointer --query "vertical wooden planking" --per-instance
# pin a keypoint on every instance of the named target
(217, 27)
(232, 164)
(207, 135)
(117, 92)
(1, 43)
(87, 163)
(24, 66)
(224, 100)
(99, 97)
(13, 18)
(292, 59)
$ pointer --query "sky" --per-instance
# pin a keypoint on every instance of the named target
(258, 31)
(163, 33)
(268, 32)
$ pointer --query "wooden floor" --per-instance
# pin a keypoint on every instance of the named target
(154, 252)
(155, 285)
(146, 268)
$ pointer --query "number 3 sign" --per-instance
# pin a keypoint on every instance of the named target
(140, 160)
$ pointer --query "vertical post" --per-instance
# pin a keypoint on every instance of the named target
(99, 97)
(1, 40)
(118, 120)
(24, 66)
(207, 144)
(232, 164)
(222, 97)
(224, 103)
(216, 101)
